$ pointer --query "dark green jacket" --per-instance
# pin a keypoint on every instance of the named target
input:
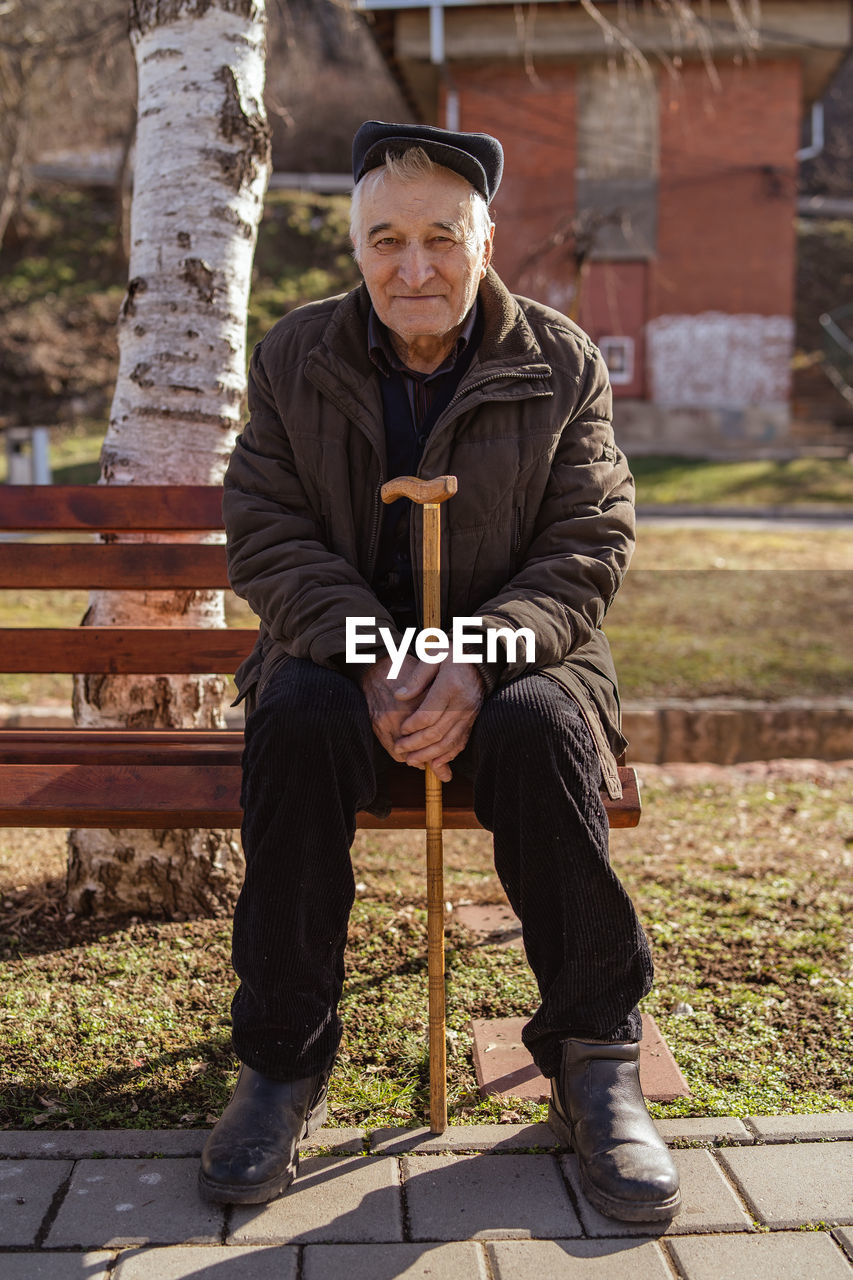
(539, 534)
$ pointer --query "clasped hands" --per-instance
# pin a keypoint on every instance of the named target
(425, 715)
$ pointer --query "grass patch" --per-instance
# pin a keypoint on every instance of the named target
(303, 254)
(731, 633)
(799, 481)
(744, 888)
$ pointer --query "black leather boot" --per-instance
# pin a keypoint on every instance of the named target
(253, 1152)
(597, 1107)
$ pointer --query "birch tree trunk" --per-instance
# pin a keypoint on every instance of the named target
(202, 165)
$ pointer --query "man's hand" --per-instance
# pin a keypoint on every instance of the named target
(438, 729)
(390, 702)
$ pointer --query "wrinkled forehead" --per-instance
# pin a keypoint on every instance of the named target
(438, 199)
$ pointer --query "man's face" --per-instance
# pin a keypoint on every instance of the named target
(421, 274)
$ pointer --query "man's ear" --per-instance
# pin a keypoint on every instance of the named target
(488, 248)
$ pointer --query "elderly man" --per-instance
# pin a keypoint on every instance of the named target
(432, 367)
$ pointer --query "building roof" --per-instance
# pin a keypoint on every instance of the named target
(421, 39)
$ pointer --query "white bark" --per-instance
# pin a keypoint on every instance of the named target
(202, 165)
(201, 174)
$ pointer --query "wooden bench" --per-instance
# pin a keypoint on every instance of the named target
(151, 778)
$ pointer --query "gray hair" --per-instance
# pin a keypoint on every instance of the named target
(407, 167)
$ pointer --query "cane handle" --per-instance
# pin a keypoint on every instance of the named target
(420, 491)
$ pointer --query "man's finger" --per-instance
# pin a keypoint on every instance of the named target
(428, 736)
(430, 712)
(414, 683)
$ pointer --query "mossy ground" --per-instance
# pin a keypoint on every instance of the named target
(743, 884)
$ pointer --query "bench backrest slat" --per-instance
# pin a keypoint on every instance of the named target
(113, 508)
(147, 566)
(125, 650)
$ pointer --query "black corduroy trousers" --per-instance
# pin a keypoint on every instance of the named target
(311, 761)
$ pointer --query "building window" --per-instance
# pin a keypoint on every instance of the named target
(618, 154)
(618, 353)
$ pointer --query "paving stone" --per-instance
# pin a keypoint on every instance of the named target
(333, 1200)
(503, 1065)
(844, 1236)
(711, 1130)
(123, 1202)
(487, 1197)
(505, 1068)
(55, 1266)
(27, 1189)
(495, 924)
(468, 1137)
(578, 1260)
(389, 1261)
(118, 1143)
(210, 1262)
(795, 1184)
(837, 1125)
(708, 1202)
(343, 1142)
(779, 1255)
(79, 1144)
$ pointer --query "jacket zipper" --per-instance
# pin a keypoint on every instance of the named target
(374, 528)
(495, 377)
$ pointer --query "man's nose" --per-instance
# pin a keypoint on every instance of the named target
(415, 266)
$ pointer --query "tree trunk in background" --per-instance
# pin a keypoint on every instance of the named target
(12, 177)
(202, 165)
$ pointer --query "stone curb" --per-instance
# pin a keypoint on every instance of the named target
(140, 1144)
(834, 1126)
(732, 731)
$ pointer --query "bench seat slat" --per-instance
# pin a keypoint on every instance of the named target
(145, 566)
(113, 508)
(129, 789)
(125, 650)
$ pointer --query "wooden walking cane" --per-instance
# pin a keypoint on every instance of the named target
(430, 494)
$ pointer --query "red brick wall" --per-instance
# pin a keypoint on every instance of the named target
(726, 209)
(613, 304)
(535, 122)
(726, 239)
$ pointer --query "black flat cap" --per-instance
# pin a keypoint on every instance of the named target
(476, 156)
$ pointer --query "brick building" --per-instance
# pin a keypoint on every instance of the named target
(650, 194)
